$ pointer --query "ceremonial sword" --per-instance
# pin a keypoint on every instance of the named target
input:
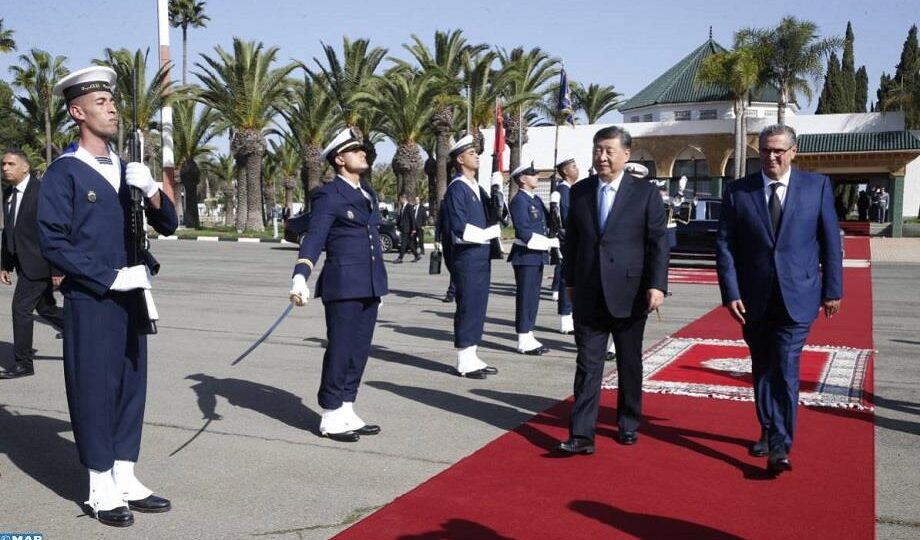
(267, 333)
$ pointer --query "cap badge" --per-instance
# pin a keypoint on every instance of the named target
(91, 196)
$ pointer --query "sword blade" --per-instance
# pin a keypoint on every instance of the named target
(264, 336)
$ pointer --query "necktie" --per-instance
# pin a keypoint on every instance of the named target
(10, 222)
(604, 206)
(776, 209)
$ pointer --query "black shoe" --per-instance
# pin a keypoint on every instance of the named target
(489, 370)
(116, 517)
(20, 369)
(59, 335)
(611, 356)
(627, 438)
(539, 351)
(576, 445)
(345, 436)
(478, 374)
(150, 505)
(447, 299)
(778, 462)
(417, 259)
(368, 429)
(762, 447)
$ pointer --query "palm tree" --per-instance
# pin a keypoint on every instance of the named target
(246, 91)
(484, 89)
(191, 135)
(311, 119)
(223, 169)
(182, 14)
(7, 42)
(284, 162)
(445, 65)
(405, 100)
(791, 54)
(37, 74)
(595, 101)
(526, 72)
(737, 72)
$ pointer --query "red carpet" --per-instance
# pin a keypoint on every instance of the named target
(689, 476)
(693, 276)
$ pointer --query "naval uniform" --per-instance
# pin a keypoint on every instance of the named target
(529, 217)
(345, 221)
(83, 210)
(564, 304)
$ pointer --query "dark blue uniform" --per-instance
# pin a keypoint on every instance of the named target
(564, 304)
(439, 236)
(529, 217)
(470, 266)
(82, 224)
(346, 224)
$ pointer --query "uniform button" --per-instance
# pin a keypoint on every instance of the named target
(372, 258)
(371, 236)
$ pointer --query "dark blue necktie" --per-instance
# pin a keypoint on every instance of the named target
(10, 222)
(776, 209)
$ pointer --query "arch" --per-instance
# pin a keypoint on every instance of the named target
(752, 163)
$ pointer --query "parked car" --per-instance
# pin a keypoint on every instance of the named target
(697, 226)
(295, 227)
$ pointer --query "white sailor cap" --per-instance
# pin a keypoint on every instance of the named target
(465, 143)
(527, 169)
(564, 161)
(347, 139)
(86, 80)
(636, 169)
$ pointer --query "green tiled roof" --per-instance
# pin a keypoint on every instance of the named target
(882, 141)
(679, 85)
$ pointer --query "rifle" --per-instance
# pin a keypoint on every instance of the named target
(555, 227)
(138, 253)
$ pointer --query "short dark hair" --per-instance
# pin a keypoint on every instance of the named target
(777, 129)
(614, 132)
(18, 153)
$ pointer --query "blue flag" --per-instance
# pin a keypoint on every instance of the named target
(564, 106)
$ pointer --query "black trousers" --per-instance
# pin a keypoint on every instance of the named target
(349, 332)
(32, 295)
(592, 331)
(408, 243)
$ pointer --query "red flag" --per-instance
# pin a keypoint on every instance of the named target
(498, 151)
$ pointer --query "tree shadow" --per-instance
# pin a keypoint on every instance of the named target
(527, 402)
(387, 355)
(274, 403)
(438, 334)
(458, 529)
(649, 526)
(414, 294)
(43, 454)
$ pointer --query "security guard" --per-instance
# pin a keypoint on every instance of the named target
(528, 256)
(568, 170)
(467, 231)
(83, 207)
(345, 222)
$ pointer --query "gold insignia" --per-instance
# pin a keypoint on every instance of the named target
(91, 196)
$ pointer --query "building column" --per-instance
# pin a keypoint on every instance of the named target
(896, 206)
(715, 186)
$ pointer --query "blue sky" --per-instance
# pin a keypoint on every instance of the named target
(624, 44)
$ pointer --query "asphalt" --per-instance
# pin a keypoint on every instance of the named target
(237, 449)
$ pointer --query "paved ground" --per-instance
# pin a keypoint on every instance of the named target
(259, 468)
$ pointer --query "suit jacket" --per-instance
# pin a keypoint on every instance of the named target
(28, 258)
(750, 256)
(406, 220)
(619, 264)
(529, 217)
(347, 226)
(420, 216)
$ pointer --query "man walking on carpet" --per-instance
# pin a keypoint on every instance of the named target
(779, 263)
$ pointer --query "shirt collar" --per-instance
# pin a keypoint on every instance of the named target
(615, 184)
(349, 182)
(784, 179)
(21, 186)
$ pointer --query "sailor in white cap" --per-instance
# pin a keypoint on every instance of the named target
(345, 223)
(81, 216)
(466, 236)
(529, 253)
(568, 170)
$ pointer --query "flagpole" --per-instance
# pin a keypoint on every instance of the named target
(553, 180)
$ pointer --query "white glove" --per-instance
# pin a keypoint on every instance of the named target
(555, 197)
(300, 293)
(497, 179)
(130, 278)
(138, 175)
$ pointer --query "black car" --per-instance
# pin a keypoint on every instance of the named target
(296, 226)
(697, 226)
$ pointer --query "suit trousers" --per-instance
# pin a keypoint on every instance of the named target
(32, 295)
(776, 342)
(564, 304)
(349, 332)
(105, 373)
(527, 297)
(407, 243)
(592, 331)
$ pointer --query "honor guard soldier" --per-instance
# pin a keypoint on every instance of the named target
(345, 222)
(568, 170)
(529, 254)
(83, 210)
(466, 236)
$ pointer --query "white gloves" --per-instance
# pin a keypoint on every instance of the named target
(497, 179)
(538, 242)
(555, 197)
(138, 175)
(474, 235)
(130, 278)
(299, 292)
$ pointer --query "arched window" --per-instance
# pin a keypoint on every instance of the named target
(691, 162)
(752, 163)
(646, 159)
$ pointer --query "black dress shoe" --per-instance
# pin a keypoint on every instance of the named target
(116, 517)
(778, 462)
(538, 351)
(20, 369)
(760, 448)
(447, 299)
(576, 445)
(611, 356)
(627, 438)
(417, 259)
(368, 429)
(150, 505)
(478, 374)
(489, 370)
(345, 436)
(397, 261)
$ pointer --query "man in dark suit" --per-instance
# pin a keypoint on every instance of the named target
(616, 273)
(779, 262)
(21, 252)
(407, 227)
(421, 219)
(345, 223)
